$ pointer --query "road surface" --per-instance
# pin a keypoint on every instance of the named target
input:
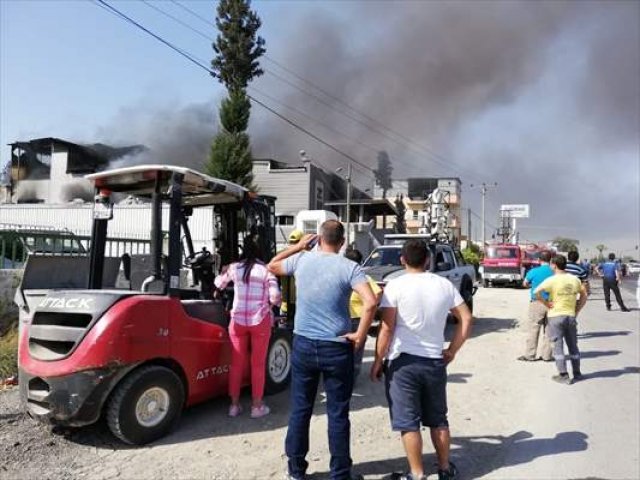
(508, 419)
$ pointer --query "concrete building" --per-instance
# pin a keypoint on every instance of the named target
(415, 190)
(51, 170)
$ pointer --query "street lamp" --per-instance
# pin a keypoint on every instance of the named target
(348, 220)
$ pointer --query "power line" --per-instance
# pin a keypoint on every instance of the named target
(193, 60)
(184, 24)
(436, 158)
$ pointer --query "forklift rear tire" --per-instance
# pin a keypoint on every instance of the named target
(145, 405)
(278, 366)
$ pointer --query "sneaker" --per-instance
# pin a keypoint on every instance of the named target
(407, 476)
(449, 474)
(577, 376)
(259, 412)
(522, 358)
(564, 379)
(235, 410)
(626, 310)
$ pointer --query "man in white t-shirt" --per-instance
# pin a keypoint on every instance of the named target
(410, 352)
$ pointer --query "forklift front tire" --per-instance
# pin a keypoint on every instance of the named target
(145, 405)
(278, 374)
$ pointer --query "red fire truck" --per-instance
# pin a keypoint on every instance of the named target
(503, 265)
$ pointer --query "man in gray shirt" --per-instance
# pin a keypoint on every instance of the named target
(323, 343)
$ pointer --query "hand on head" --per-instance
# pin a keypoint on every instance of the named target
(307, 242)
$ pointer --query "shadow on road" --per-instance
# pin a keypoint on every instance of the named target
(477, 456)
(587, 335)
(599, 353)
(612, 373)
(485, 325)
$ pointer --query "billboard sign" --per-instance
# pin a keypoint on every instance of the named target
(516, 211)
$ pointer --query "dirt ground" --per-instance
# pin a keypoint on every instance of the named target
(499, 414)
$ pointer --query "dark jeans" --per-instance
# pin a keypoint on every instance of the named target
(310, 360)
(564, 328)
(609, 284)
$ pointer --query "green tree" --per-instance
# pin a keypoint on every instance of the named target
(566, 244)
(401, 225)
(383, 177)
(383, 173)
(238, 49)
(600, 247)
(472, 256)
(238, 46)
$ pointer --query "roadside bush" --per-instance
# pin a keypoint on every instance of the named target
(9, 352)
(472, 257)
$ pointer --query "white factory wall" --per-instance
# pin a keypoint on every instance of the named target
(129, 221)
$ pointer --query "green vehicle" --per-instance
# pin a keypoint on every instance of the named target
(16, 243)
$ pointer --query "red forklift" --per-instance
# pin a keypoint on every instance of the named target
(100, 339)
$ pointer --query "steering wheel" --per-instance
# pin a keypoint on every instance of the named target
(199, 259)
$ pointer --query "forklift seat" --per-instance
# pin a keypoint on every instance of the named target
(210, 311)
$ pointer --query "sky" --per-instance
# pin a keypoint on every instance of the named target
(541, 97)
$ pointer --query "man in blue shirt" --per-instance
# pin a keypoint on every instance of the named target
(323, 344)
(537, 320)
(577, 270)
(610, 273)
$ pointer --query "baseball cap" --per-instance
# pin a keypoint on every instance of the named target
(295, 236)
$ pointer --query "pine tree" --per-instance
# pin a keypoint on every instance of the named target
(235, 65)
(383, 173)
(383, 177)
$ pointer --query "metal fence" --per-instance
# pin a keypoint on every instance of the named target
(17, 243)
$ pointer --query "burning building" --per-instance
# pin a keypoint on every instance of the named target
(51, 170)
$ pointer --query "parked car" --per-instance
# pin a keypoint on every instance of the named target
(633, 268)
(383, 264)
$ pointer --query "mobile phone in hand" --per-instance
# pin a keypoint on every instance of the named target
(312, 243)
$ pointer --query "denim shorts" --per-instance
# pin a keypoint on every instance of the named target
(416, 390)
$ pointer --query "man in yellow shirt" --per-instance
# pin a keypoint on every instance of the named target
(288, 283)
(563, 289)
(355, 304)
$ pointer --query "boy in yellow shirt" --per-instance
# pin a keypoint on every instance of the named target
(355, 304)
(563, 289)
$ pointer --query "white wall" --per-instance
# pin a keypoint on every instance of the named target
(129, 221)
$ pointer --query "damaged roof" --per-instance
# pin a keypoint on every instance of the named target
(82, 159)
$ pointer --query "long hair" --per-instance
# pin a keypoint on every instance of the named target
(251, 254)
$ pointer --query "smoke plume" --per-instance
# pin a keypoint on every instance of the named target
(541, 97)
(176, 136)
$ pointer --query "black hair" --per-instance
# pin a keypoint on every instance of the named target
(612, 256)
(332, 233)
(354, 255)
(559, 261)
(573, 256)
(415, 253)
(545, 257)
(251, 254)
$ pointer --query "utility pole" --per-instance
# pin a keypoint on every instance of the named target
(484, 187)
(469, 228)
(349, 173)
(348, 215)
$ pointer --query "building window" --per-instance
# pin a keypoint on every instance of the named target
(310, 226)
(284, 220)
(415, 214)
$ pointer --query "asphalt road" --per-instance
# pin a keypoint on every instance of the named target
(508, 419)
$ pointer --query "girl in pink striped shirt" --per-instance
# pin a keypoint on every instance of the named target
(255, 291)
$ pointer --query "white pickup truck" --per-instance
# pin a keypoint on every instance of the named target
(383, 264)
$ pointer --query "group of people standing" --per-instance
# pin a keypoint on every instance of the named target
(409, 352)
(559, 291)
